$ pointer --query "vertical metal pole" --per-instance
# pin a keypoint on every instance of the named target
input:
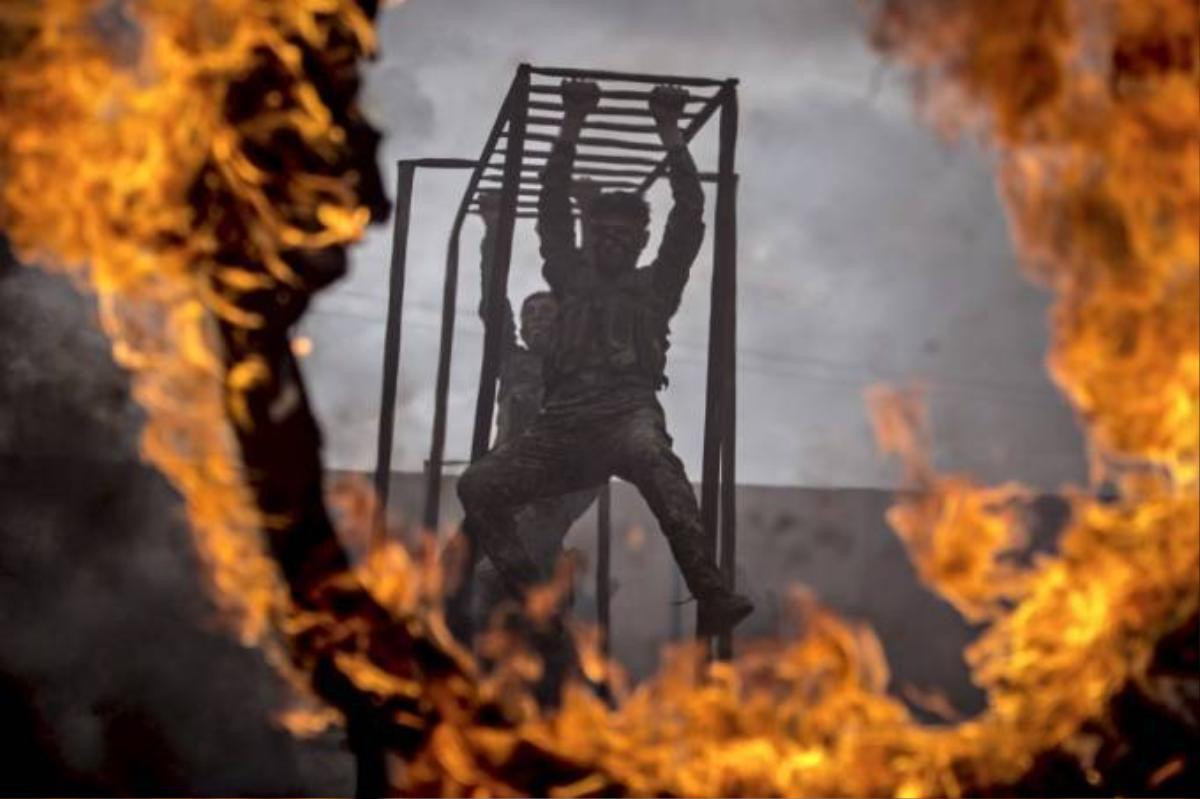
(518, 102)
(714, 395)
(604, 566)
(514, 110)
(675, 620)
(391, 343)
(726, 246)
(437, 447)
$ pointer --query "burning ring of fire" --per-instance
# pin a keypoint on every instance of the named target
(200, 167)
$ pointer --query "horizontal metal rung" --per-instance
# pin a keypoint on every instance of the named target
(618, 111)
(624, 185)
(599, 171)
(629, 77)
(590, 171)
(533, 191)
(520, 214)
(603, 184)
(520, 203)
(591, 158)
(524, 209)
(526, 169)
(614, 94)
(598, 141)
(440, 163)
(623, 127)
(500, 179)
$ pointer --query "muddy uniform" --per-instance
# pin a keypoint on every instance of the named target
(544, 523)
(601, 415)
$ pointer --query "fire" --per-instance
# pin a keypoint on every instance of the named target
(302, 346)
(1092, 118)
(102, 142)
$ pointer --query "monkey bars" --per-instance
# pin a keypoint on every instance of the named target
(625, 154)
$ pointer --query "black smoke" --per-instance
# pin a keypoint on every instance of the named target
(116, 677)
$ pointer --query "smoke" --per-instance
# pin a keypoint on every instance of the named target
(113, 669)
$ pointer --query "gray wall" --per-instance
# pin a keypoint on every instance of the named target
(834, 541)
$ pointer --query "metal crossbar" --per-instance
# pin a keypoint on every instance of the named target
(604, 110)
(508, 165)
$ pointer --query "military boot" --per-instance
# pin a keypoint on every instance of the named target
(721, 612)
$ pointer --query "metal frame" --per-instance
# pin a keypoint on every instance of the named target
(519, 169)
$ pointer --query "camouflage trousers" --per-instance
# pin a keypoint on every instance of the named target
(577, 442)
(541, 526)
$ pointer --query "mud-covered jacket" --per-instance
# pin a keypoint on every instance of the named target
(615, 326)
(520, 394)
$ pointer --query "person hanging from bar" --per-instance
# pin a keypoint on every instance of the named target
(600, 415)
(544, 523)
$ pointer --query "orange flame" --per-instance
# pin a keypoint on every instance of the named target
(100, 143)
(1092, 115)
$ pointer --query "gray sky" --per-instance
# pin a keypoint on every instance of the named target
(869, 251)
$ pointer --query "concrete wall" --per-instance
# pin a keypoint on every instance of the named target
(834, 541)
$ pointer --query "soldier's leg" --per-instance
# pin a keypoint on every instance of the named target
(546, 461)
(541, 527)
(489, 594)
(543, 462)
(483, 490)
(645, 458)
(544, 523)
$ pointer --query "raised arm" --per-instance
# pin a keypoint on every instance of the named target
(584, 192)
(489, 211)
(555, 225)
(684, 231)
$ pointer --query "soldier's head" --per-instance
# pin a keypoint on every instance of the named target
(539, 312)
(618, 229)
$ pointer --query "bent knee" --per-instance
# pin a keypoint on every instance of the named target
(651, 458)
